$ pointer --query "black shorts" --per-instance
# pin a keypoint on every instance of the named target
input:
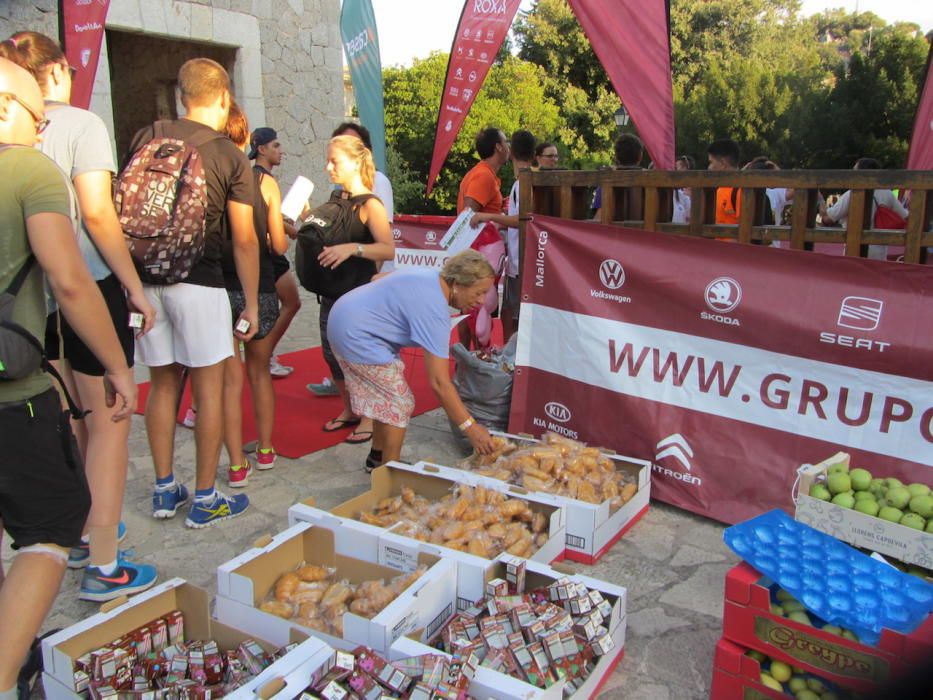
(44, 496)
(279, 265)
(335, 370)
(78, 354)
(268, 310)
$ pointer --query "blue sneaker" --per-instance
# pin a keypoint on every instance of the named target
(127, 579)
(206, 513)
(166, 503)
(80, 556)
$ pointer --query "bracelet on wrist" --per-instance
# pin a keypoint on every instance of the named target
(465, 425)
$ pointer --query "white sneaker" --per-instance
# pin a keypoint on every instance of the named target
(190, 417)
(277, 369)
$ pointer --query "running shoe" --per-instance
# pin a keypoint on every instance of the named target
(166, 503)
(190, 417)
(265, 459)
(80, 556)
(126, 580)
(205, 514)
(277, 369)
(238, 476)
(325, 388)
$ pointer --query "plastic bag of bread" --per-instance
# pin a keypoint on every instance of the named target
(311, 573)
(337, 594)
(285, 586)
(278, 608)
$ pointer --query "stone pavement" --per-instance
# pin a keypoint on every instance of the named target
(672, 563)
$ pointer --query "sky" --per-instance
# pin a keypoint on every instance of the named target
(403, 36)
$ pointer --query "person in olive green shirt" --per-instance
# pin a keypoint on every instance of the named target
(44, 497)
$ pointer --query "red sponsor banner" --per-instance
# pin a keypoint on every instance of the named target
(728, 366)
(483, 27)
(920, 156)
(632, 41)
(84, 22)
(418, 240)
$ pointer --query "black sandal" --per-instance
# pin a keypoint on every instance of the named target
(373, 460)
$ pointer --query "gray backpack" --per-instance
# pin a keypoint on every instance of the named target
(20, 353)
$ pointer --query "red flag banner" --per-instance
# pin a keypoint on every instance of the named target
(483, 27)
(728, 366)
(631, 40)
(920, 156)
(84, 22)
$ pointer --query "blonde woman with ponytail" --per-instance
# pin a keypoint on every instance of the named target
(350, 165)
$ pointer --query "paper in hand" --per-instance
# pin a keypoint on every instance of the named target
(297, 197)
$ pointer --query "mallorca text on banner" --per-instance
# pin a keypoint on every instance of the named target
(483, 27)
(728, 366)
(83, 23)
(361, 45)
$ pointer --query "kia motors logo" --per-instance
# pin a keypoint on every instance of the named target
(557, 411)
(723, 294)
(396, 233)
(860, 313)
(430, 236)
(611, 274)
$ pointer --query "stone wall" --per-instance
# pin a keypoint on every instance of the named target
(288, 72)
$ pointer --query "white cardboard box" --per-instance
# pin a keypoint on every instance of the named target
(859, 529)
(492, 685)
(591, 528)
(60, 650)
(245, 581)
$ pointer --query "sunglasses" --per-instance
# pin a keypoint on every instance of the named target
(40, 122)
(548, 155)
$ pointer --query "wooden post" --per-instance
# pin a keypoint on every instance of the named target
(856, 223)
(747, 215)
(912, 247)
(799, 218)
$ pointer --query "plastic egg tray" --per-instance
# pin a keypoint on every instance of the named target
(833, 580)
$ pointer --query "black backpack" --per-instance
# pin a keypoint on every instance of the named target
(331, 224)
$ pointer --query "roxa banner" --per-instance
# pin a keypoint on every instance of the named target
(84, 22)
(727, 366)
(361, 44)
(483, 26)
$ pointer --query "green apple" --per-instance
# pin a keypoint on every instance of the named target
(918, 489)
(922, 505)
(878, 487)
(846, 500)
(769, 682)
(912, 520)
(850, 635)
(841, 468)
(868, 506)
(777, 610)
(896, 497)
(891, 482)
(816, 685)
(793, 606)
(929, 527)
(796, 684)
(801, 617)
(820, 491)
(757, 655)
(891, 514)
(829, 695)
(807, 694)
(780, 671)
(861, 479)
(839, 483)
(832, 629)
(784, 596)
(864, 496)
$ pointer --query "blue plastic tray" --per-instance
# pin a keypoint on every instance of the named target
(833, 580)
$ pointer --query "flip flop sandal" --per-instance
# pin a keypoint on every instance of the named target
(358, 438)
(340, 424)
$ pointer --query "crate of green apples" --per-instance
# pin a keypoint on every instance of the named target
(868, 509)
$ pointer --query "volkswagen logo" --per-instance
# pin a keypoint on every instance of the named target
(723, 294)
(396, 233)
(611, 274)
(557, 411)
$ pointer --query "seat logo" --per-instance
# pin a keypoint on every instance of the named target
(860, 313)
(723, 294)
(611, 274)
(557, 411)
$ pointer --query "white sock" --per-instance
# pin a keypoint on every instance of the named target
(206, 498)
(108, 569)
(162, 488)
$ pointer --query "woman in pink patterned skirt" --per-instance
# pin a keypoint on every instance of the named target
(406, 308)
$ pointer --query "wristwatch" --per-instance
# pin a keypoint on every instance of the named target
(359, 250)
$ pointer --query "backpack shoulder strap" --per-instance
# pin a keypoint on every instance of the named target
(21, 276)
(203, 136)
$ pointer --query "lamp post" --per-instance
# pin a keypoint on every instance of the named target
(621, 117)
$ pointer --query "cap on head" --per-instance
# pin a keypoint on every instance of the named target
(260, 137)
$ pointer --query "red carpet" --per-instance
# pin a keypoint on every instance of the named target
(300, 415)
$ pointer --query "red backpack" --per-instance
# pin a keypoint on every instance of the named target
(161, 201)
(887, 218)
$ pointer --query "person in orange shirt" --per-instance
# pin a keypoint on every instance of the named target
(724, 155)
(481, 188)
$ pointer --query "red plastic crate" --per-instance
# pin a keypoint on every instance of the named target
(748, 621)
(736, 676)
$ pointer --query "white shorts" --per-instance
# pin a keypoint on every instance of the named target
(193, 326)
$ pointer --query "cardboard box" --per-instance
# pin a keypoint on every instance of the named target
(60, 650)
(244, 582)
(592, 528)
(858, 529)
(748, 621)
(351, 537)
